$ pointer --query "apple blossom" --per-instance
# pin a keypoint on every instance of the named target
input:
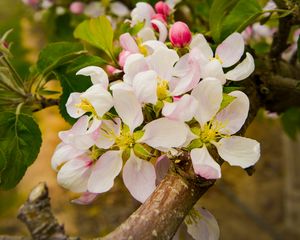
(77, 7)
(162, 8)
(180, 35)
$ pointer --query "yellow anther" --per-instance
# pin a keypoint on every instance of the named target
(162, 89)
(143, 50)
(125, 140)
(86, 106)
(218, 58)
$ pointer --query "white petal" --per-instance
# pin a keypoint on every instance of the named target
(209, 93)
(231, 49)
(107, 133)
(235, 114)
(163, 31)
(146, 34)
(128, 43)
(142, 12)
(239, 151)
(99, 98)
(85, 199)
(119, 9)
(200, 42)
(182, 110)
(205, 228)
(139, 177)
(242, 70)
(165, 133)
(106, 168)
(97, 74)
(127, 105)
(162, 166)
(63, 153)
(145, 86)
(72, 110)
(74, 174)
(151, 45)
(204, 165)
(213, 69)
(162, 62)
(134, 64)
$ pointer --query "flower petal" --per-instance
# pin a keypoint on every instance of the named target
(146, 34)
(72, 110)
(242, 70)
(107, 133)
(75, 173)
(239, 151)
(99, 98)
(151, 45)
(163, 31)
(127, 105)
(204, 165)
(139, 177)
(235, 114)
(106, 168)
(119, 9)
(85, 199)
(128, 43)
(97, 74)
(134, 64)
(205, 228)
(213, 69)
(209, 93)
(145, 86)
(200, 42)
(162, 61)
(182, 110)
(162, 166)
(231, 49)
(165, 133)
(142, 12)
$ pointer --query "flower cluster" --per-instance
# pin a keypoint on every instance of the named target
(170, 98)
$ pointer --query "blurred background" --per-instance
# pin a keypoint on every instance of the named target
(263, 206)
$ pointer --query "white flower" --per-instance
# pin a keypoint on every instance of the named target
(227, 54)
(217, 126)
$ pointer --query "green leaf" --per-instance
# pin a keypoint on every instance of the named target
(228, 16)
(231, 89)
(97, 32)
(20, 142)
(291, 122)
(227, 99)
(3, 162)
(71, 82)
(57, 54)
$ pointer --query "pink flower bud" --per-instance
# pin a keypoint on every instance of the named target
(110, 69)
(162, 8)
(77, 7)
(159, 17)
(122, 57)
(180, 34)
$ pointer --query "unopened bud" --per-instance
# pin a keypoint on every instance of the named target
(77, 7)
(180, 35)
(162, 8)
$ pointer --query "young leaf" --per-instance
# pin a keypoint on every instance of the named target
(97, 32)
(227, 99)
(20, 143)
(57, 54)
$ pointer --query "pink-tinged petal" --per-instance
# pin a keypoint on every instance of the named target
(142, 12)
(75, 173)
(182, 110)
(162, 29)
(162, 166)
(151, 45)
(209, 94)
(134, 64)
(204, 165)
(204, 228)
(213, 69)
(139, 177)
(63, 153)
(162, 8)
(180, 34)
(97, 74)
(145, 86)
(123, 57)
(119, 9)
(242, 70)
(146, 34)
(107, 133)
(72, 110)
(162, 61)
(105, 170)
(200, 42)
(85, 199)
(165, 133)
(235, 114)
(128, 43)
(231, 49)
(99, 98)
(239, 151)
(127, 105)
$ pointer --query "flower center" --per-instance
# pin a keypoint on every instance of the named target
(210, 132)
(125, 139)
(218, 58)
(143, 50)
(86, 106)
(162, 89)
